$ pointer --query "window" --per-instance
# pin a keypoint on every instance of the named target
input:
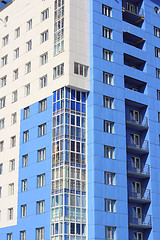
(23, 210)
(13, 141)
(17, 32)
(0, 191)
(159, 117)
(107, 78)
(107, 55)
(81, 69)
(3, 81)
(109, 152)
(16, 53)
(14, 118)
(2, 102)
(41, 180)
(157, 52)
(108, 102)
(25, 160)
(41, 154)
(109, 205)
(157, 32)
(158, 73)
(26, 112)
(42, 129)
(106, 10)
(159, 139)
(110, 233)
(24, 185)
(14, 96)
(138, 235)
(158, 94)
(134, 116)
(23, 235)
(58, 71)
(40, 233)
(11, 189)
(9, 236)
(5, 40)
(1, 168)
(29, 24)
(109, 178)
(15, 74)
(108, 126)
(107, 33)
(4, 60)
(26, 136)
(44, 36)
(45, 14)
(43, 105)
(44, 58)
(1, 146)
(135, 140)
(40, 207)
(2, 123)
(29, 45)
(10, 213)
(27, 90)
(28, 67)
(12, 165)
(43, 81)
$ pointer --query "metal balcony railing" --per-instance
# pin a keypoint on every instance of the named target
(142, 220)
(139, 193)
(142, 121)
(142, 145)
(133, 9)
(141, 169)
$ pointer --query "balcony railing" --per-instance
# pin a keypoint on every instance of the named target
(141, 122)
(140, 194)
(142, 169)
(133, 9)
(141, 146)
(140, 220)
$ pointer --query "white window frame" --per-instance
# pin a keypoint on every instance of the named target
(5, 40)
(29, 45)
(2, 123)
(26, 136)
(9, 236)
(12, 163)
(3, 81)
(4, 60)
(41, 180)
(13, 141)
(17, 32)
(11, 189)
(81, 69)
(1, 146)
(16, 53)
(43, 105)
(29, 24)
(44, 36)
(157, 52)
(26, 112)
(110, 233)
(23, 210)
(40, 206)
(42, 130)
(107, 55)
(14, 118)
(24, 185)
(108, 102)
(109, 152)
(109, 178)
(41, 154)
(108, 78)
(108, 126)
(28, 67)
(1, 168)
(2, 102)
(107, 32)
(10, 213)
(15, 74)
(43, 81)
(45, 14)
(44, 58)
(110, 205)
(23, 235)
(25, 160)
(14, 96)
(27, 90)
(106, 10)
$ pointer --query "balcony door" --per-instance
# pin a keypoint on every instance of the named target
(134, 116)
(138, 214)
(138, 235)
(136, 189)
(136, 163)
(135, 140)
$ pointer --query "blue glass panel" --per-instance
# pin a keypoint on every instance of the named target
(54, 107)
(61, 199)
(83, 147)
(53, 202)
(83, 122)
(78, 106)
(58, 95)
(67, 103)
(83, 108)
(62, 93)
(67, 117)
(56, 228)
(66, 144)
(66, 129)
(66, 237)
(73, 119)
(78, 132)
(66, 228)
(54, 96)
(78, 121)
(72, 105)
(62, 103)
(83, 133)
(58, 120)
(66, 212)
(67, 92)
(72, 94)
(62, 118)
(66, 199)
(78, 97)
(66, 156)
(83, 97)
(72, 131)
(58, 105)
(78, 201)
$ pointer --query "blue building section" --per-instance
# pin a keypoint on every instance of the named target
(34, 191)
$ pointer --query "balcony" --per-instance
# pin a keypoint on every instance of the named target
(139, 195)
(141, 221)
(142, 171)
(140, 148)
(132, 13)
(139, 124)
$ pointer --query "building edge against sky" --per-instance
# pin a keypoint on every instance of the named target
(80, 120)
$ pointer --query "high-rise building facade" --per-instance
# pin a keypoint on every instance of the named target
(79, 120)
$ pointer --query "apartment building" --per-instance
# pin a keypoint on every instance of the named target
(79, 120)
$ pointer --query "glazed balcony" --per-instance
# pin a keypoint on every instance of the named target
(140, 148)
(132, 13)
(141, 221)
(141, 171)
(139, 195)
(140, 124)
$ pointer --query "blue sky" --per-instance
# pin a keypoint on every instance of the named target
(1, 4)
